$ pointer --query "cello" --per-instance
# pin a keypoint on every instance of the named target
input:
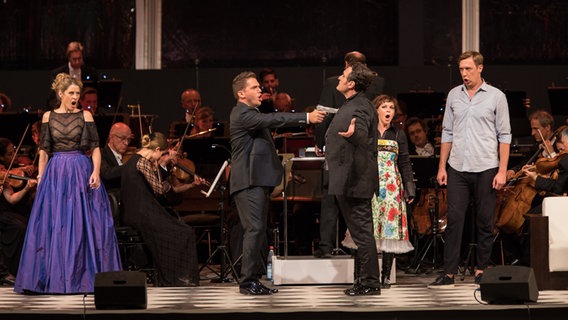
(516, 198)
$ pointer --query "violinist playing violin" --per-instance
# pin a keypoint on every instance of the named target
(542, 124)
(550, 175)
(15, 205)
(550, 178)
(170, 241)
(203, 123)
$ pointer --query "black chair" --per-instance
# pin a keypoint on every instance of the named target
(133, 250)
(204, 225)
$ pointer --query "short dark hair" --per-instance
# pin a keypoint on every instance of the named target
(361, 75)
(240, 81)
(414, 120)
(266, 71)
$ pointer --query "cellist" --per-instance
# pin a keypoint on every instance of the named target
(542, 124)
(518, 245)
(545, 182)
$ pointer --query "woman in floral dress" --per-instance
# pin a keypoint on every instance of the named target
(395, 187)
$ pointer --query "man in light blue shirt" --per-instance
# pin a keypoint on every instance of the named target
(476, 137)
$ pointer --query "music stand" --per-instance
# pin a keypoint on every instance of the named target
(423, 104)
(285, 196)
(108, 92)
(425, 178)
(221, 248)
(558, 98)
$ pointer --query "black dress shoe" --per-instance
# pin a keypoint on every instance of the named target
(272, 290)
(256, 288)
(360, 290)
(320, 254)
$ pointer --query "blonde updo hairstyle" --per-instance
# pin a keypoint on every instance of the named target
(62, 82)
(154, 140)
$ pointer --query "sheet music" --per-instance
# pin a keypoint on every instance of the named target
(214, 184)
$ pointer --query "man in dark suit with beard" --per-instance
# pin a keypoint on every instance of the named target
(351, 156)
(332, 98)
(255, 171)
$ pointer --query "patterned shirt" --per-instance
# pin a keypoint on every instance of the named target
(148, 169)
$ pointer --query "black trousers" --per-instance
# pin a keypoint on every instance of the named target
(12, 234)
(359, 220)
(328, 217)
(252, 205)
(461, 187)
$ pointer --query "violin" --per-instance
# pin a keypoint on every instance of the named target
(184, 169)
(547, 165)
(15, 177)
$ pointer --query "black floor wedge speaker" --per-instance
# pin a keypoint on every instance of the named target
(120, 290)
(508, 285)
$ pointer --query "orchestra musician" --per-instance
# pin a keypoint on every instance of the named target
(170, 241)
(16, 198)
(552, 185)
(190, 102)
(548, 177)
(542, 130)
(112, 160)
(203, 123)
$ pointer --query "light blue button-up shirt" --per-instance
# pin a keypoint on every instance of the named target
(475, 127)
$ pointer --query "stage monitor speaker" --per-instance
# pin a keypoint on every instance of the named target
(120, 290)
(508, 285)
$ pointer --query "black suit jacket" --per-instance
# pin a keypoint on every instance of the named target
(254, 160)
(352, 161)
(110, 170)
(332, 98)
(87, 73)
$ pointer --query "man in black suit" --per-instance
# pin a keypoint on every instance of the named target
(351, 156)
(75, 65)
(76, 68)
(111, 162)
(332, 98)
(255, 170)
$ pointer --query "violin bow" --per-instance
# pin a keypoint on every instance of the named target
(15, 153)
(543, 142)
(186, 128)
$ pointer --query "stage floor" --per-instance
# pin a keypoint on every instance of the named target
(409, 299)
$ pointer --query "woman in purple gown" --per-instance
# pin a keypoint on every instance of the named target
(70, 235)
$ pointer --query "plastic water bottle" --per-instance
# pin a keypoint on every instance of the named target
(269, 264)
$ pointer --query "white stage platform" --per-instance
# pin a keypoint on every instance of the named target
(310, 270)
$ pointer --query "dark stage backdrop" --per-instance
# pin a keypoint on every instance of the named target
(256, 33)
(524, 32)
(293, 33)
(35, 34)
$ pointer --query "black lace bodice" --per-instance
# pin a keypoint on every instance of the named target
(68, 132)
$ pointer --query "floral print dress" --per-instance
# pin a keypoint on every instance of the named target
(390, 224)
